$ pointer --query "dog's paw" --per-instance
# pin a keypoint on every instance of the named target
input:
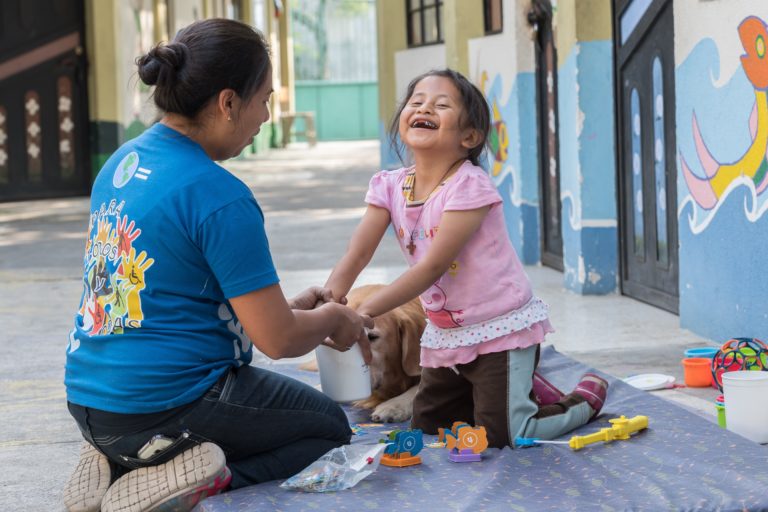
(395, 410)
(391, 413)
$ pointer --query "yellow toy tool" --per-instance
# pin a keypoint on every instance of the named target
(621, 428)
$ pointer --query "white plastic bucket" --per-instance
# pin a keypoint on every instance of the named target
(746, 393)
(344, 376)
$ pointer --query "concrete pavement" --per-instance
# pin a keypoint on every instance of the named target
(312, 198)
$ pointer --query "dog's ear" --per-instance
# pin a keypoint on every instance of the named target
(411, 324)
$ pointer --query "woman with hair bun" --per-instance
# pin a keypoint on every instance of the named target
(178, 286)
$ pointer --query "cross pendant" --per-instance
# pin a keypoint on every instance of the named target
(411, 247)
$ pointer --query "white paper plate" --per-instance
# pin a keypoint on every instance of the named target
(650, 381)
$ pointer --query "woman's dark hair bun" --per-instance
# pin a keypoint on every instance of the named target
(162, 63)
(203, 59)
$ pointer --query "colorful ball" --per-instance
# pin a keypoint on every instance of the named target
(739, 354)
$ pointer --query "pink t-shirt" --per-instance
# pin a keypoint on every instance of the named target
(483, 303)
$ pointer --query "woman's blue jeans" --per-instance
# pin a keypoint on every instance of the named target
(269, 426)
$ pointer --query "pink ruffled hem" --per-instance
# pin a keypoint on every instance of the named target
(447, 357)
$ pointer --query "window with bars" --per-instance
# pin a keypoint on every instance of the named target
(492, 15)
(425, 22)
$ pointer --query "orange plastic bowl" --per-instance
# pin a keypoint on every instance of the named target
(697, 372)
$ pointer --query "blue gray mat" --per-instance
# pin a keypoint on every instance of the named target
(681, 462)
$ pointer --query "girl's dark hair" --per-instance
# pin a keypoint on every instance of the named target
(475, 111)
(203, 59)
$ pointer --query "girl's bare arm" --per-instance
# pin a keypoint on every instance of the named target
(362, 246)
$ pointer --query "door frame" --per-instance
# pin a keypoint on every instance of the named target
(621, 53)
(541, 13)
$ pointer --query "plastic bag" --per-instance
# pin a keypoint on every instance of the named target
(339, 469)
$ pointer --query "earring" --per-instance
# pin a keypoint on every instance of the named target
(229, 117)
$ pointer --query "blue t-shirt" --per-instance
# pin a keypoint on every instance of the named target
(172, 236)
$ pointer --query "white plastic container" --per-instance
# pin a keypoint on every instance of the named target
(746, 393)
(344, 376)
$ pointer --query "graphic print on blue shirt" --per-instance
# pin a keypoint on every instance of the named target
(114, 273)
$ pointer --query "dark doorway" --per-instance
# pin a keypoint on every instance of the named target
(43, 100)
(645, 104)
(540, 17)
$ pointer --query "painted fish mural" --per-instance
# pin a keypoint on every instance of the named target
(708, 190)
(498, 138)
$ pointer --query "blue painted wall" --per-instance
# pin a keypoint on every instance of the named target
(529, 165)
(722, 255)
(514, 166)
(389, 159)
(587, 168)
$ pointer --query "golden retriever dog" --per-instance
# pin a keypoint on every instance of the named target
(395, 369)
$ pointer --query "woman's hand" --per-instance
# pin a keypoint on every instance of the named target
(351, 332)
(280, 331)
(313, 297)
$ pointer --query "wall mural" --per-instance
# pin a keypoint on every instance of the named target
(722, 138)
(501, 167)
(511, 159)
(714, 180)
(498, 138)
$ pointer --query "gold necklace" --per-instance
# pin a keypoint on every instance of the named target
(411, 244)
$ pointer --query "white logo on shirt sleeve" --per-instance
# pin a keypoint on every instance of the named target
(127, 169)
(242, 342)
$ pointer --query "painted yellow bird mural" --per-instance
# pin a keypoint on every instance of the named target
(753, 164)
